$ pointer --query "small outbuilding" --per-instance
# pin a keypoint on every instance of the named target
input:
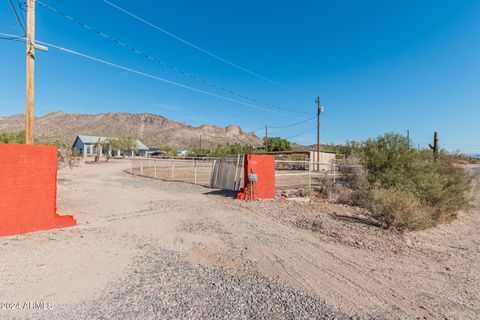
(87, 146)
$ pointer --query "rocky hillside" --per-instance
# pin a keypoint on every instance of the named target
(153, 130)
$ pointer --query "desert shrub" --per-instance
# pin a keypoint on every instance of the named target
(67, 156)
(168, 151)
(338, 193)
(352, 172)
(453, 194)
(15, 137)
(338, 148)
(395, 209)
(405, 188)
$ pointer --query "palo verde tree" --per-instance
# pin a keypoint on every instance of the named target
(277, 144)
(126, 143)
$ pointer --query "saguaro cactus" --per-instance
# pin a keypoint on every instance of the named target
(435, 145)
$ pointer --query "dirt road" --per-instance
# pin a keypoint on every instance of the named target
(151, 249)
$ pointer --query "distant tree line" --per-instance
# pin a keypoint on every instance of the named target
(274, 144)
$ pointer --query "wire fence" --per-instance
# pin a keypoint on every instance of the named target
(289, 174)
(304, 174)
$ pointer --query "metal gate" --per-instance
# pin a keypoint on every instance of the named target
(227, 173)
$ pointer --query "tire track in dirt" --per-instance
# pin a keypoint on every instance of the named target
(340, 281)
(388, 279)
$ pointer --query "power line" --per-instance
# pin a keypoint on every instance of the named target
(293, 124)
(155, 77)
(17, 17)
(12, 38)
(204, 50)
(261, 128)
(150, 76)
(22, 9)
(6, 36)
(285, 126)
(299, 134)
(171, 67)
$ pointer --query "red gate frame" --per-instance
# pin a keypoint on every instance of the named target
(28, 189)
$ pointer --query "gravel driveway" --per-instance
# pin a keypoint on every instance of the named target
(147, 249)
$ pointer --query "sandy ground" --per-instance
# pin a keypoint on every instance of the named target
(129, 226)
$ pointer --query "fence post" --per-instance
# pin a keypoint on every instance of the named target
(236, 172)
(195, 170)
(334, 169)
(155, 168)
(309, 178)
(131, 165)
(213, 165)
(141, 167)
(173, 167)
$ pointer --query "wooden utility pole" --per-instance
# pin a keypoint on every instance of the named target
(30, 77)
(319, 110)
(266, 138)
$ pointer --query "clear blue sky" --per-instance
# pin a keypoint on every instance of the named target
(379, 66)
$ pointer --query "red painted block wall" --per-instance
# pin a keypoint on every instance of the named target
(28, 189)
(264, 167)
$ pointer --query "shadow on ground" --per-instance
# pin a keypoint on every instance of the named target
(223, 193)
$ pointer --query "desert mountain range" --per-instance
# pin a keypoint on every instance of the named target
(154, 130)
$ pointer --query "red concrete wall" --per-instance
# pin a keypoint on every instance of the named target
(264, 167)
(28, 189)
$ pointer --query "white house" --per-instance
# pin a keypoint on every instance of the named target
(87, 146)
